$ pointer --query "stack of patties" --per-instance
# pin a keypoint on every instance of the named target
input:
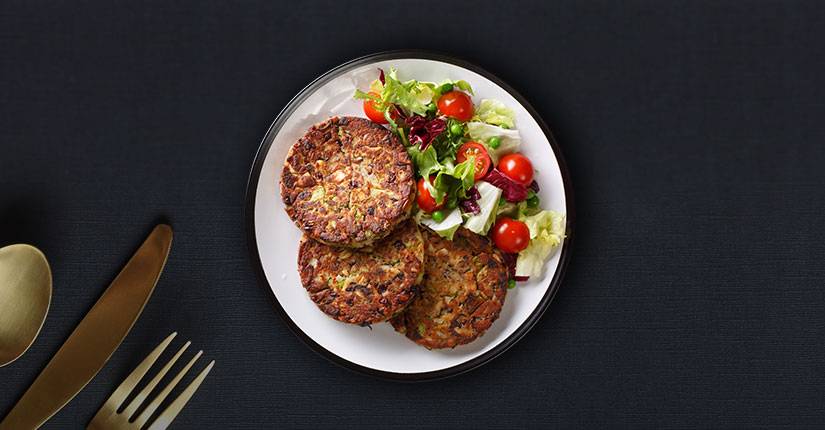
(348, 183)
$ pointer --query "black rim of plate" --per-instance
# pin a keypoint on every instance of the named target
(249, 216)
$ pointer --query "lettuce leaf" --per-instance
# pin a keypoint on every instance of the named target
(515, 210)
(496, 113)
(360, 95)
(547, 231)
(463, 86)
(450, 179)
(465, 172)
(453, 180)
(481, 132)
(425, 161)
(481, 222)
(451, 85)
(411, 96)
(377, 86)
(447, 227)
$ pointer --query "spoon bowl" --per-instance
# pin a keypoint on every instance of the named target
(25, 295)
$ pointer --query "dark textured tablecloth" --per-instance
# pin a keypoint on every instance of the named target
(694, 132)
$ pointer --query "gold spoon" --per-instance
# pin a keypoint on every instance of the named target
(25, 295)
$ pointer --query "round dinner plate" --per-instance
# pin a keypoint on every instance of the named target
(273, 238)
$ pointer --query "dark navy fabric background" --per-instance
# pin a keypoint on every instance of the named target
(694, 133)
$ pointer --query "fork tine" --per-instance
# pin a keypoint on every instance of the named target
(155, 403)
(144, 393)
(119, 396)
(165, 419)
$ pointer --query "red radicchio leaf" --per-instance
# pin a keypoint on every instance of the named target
(422, 132)
(510, 262)
(436, 126)
(417, 132)
(534, 186)
(513, 191)
(470, 204)
(381, 76)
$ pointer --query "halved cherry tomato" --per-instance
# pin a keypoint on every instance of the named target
(479, 152)
(456, 104)
(511, 235)
(426, 201)
(374, 114)
(517, 167)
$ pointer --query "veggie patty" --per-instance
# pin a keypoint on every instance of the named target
(463, 290)
(348, 182)
(364, 286)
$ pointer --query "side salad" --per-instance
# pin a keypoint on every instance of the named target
(469, 170)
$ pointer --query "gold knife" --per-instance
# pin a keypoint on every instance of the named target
(97, 336)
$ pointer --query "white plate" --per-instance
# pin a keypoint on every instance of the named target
(273, 238)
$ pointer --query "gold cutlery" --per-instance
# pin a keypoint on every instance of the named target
(25, 294)
(95, 338)
(109, 419)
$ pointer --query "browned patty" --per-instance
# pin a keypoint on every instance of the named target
(364, 286)
(462, 293)
(348, 182)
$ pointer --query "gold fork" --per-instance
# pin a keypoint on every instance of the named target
(108, 418)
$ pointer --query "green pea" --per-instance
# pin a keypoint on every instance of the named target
(533, 202)
(446, 88)
(432, 107)
(511, 284)
(456, 129)
(438, 216)
(494, 142)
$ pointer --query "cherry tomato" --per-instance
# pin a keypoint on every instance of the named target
(426, 201)
(517, 167)
(374, 114)
(456, 104)
(482, 158)
(511, 235)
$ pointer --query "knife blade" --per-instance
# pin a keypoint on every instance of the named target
(96, 337)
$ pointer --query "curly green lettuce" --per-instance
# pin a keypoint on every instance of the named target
(496, 113)
(451, 180)
(412, 97)
(547, 231)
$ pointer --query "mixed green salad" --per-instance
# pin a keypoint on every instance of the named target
(469, 169)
